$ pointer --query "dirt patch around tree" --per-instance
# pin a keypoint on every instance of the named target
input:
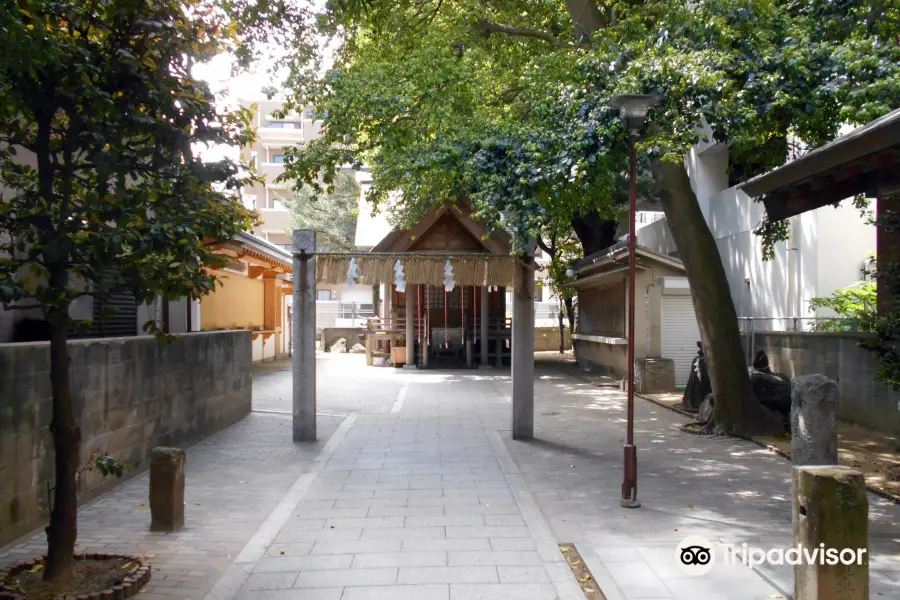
(92, 576)
(876, 454)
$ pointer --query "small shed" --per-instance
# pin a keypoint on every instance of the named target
(665, 325)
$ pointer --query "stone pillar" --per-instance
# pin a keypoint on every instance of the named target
(485, 345)
(523, 351)
(166, 489)
(304, 332)
(831, 515)
(410, 327)
(814, 420)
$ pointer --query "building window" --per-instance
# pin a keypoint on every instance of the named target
(278, 159)
(282, 125)
(311, 114)
(323, 295)
(253, 159)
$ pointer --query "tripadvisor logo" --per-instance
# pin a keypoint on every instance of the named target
(696, 555)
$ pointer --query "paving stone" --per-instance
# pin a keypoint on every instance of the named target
(303, 563)
(502, 592)
(400, 559)
(446, 520)
(520, 574)
(446, 545)
(470, 574)
(346, 578)
(357, 547)
(405, 533)
(271, 581)
(456, 559)
(398, 592)
(294, 594)
(488, 532)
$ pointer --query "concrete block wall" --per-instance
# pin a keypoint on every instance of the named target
(130, 395)
(862, 399)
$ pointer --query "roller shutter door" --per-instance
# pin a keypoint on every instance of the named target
(680, 334)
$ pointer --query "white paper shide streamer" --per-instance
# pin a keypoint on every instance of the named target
(399, 277)
(449, 282)
(352, 274)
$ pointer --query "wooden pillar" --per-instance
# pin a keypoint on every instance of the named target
(386, 316)
(270, 309)
(304, 331)
(887, 246)
(410, 327)
(523, 351)
(485, 342)
(426, 324)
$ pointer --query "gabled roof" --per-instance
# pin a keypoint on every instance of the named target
(404, 240)
(617, 252)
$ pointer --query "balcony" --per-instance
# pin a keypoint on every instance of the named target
(275, 220)
(271, 171)
(280, 134)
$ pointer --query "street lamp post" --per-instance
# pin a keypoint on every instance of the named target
(633, 110)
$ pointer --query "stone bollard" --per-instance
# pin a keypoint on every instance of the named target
(814, 420)
(831, 513)
(166, 489)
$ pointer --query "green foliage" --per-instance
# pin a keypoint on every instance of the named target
(332, 215)
(854, 305)
(97, 157)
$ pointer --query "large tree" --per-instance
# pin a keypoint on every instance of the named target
(99, 178)
(332, 214)
(506, 104)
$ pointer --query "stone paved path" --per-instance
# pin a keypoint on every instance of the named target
(416, 491)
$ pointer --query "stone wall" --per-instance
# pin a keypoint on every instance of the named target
(353, 335)
(546, 339)
(861, 398)
(130, 394)
(654, 375)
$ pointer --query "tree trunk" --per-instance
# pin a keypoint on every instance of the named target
(737, 409)
(594, 233)
(62, 531)
(570, 312)
(562, 332)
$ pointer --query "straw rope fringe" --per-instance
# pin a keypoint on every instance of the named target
(418, 270)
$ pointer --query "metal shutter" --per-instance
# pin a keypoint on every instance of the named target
(680, 334)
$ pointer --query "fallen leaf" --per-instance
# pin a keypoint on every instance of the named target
(565, 548)
(142, 506)
(282, 552)
(332, 526)
(36, 568)
(690, 506)
(584, 579)
(127, 566)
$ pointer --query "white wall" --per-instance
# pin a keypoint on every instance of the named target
(840, 262)
(826, 249)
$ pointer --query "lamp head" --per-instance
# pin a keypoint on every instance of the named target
(633, 109)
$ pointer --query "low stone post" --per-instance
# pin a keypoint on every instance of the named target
(831, 516)
(814, 420)
(166, 489)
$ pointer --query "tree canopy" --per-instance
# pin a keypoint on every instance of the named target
(332, 215)
(507, 104)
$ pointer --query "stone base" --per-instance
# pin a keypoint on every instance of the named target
(410, 367)
(167, 489)
(485, 367)
(654, 375)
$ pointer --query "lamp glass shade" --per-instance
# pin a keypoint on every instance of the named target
(633, 108)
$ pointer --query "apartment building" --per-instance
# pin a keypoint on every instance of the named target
(266, 156)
